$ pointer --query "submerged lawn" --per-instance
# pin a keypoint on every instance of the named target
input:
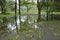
(30, 31)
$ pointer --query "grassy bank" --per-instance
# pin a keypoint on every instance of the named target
(6, 15)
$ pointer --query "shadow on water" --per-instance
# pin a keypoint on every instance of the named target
(29, 29)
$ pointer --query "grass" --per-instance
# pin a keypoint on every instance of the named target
(34, 11)
(6, 15)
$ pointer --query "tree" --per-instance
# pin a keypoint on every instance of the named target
(3, 6)
(16, 15)
(49, 9)
(19, 12)
(52, 9)
(39, 6)
(11, 5)
(57, 5)
(27, 4)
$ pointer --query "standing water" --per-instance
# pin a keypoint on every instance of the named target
(29, 30)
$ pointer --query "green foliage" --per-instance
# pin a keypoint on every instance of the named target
(12, 38)
(25, 27)
(6, 15)
(11, 5)
(3, 5)
(27, 4)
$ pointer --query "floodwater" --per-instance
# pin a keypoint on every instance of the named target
(28, 29)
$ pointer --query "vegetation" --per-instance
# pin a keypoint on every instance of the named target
(6, 15)
(29, 19)
(3, 6)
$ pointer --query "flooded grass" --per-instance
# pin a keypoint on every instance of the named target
(29, 29)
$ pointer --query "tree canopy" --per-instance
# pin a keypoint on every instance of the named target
(3, 5)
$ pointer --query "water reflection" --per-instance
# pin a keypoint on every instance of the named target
(29, 30)
(11, 27)
(6, 27)
(23, 18)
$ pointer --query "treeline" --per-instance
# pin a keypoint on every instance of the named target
(49, 5)
(6, 5)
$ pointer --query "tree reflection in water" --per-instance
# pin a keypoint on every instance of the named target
(28, 31)
(6, 28)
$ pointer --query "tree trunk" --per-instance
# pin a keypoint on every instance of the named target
(52, 16)
(19, 13)
(39, 11)
(15, 10)
(2, 9)
(27, 8)
(52, 13)
(15, 7)
(3, 6)
(47, 11)
(16, 15)
(47, 14)
(39, 15)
